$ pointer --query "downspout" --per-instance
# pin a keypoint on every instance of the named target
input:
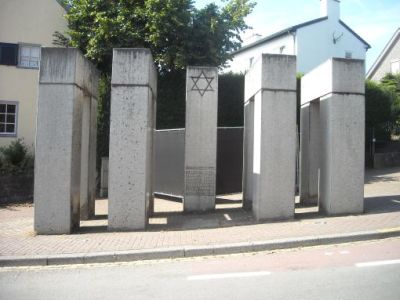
(293, 34)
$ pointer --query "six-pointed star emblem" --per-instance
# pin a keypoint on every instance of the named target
(202, 83)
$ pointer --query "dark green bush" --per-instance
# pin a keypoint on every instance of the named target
(16, 159)
(378, 103)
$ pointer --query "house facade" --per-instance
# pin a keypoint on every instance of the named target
(388, 61)
(313, 42)
(25, 27)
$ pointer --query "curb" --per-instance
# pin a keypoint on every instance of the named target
(193, 251)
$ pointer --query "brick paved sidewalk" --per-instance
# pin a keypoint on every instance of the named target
(228, 224)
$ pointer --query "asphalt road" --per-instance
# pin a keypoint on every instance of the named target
(365, 270)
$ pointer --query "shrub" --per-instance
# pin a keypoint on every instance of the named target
(16, 159)
(378, 102)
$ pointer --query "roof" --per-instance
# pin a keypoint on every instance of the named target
(293, 29)
(384, 53)
(64, 4)
(279, 34)
(355, 34)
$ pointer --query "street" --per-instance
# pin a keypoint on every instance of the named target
(364, 270)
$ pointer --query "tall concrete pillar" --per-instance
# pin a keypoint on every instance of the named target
(248, 139)
(133, 97)
(310, 153)
(271, 84)
(201, 138)
(89, 144)
(65, 78)
(339, 86)
(93, 155)
(304, 153)
(85, 141)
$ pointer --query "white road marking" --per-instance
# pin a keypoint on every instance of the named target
(378, 263)
(344, 252)
(329, 253)
(228, 275)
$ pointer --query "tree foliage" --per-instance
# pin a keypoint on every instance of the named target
(391, 83)
(378, 112)
(177, 33)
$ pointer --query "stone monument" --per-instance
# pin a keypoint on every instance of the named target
(132, 122)
(201, 138)
(335, 92)
(67, 82)
(270, 137)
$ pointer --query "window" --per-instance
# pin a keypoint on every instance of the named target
(348, 54)
(8, 118)
(29, 56)
(8, 54)
(395, 66)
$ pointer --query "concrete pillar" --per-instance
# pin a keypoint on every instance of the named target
(104, 177)
(89, 144)
(133, 96)
(201, 138)
(304, 153)
(93, 155)
(310, 165)
(248, 154)
(339, 86)
(65, 78)
(85, 141)
(271, 82)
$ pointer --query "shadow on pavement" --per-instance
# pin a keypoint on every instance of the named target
(382, 204)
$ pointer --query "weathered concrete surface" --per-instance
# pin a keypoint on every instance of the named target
(271, 84)
(65, 77)
(342, 156)
(304, 172)
(248, 140)
(310, 152)
(133, 98)
(85, 141)
(201, 138)
(340, 90)
(104, 177)
(336, 75)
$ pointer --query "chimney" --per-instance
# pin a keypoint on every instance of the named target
(330, 9)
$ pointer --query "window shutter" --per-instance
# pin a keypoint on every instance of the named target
(8, 54)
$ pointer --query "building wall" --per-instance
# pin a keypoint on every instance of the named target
(315, 44)
(33, 22)
(385, 65)
(241, 62)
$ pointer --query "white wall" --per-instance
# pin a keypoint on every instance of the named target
(315, 44)
(241, 62)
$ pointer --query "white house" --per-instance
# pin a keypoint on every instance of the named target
(313, 42)
(388, 61)
(25, 26)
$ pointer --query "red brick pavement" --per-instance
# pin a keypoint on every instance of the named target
(228, 224)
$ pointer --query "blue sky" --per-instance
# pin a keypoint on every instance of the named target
(374, 20)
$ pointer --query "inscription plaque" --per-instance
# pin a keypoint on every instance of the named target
(200, 181)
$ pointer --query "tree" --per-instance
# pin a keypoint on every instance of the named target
(175, 31)
(378, 102)
(391, 83)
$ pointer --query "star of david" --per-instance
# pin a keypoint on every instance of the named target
(202, 83)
